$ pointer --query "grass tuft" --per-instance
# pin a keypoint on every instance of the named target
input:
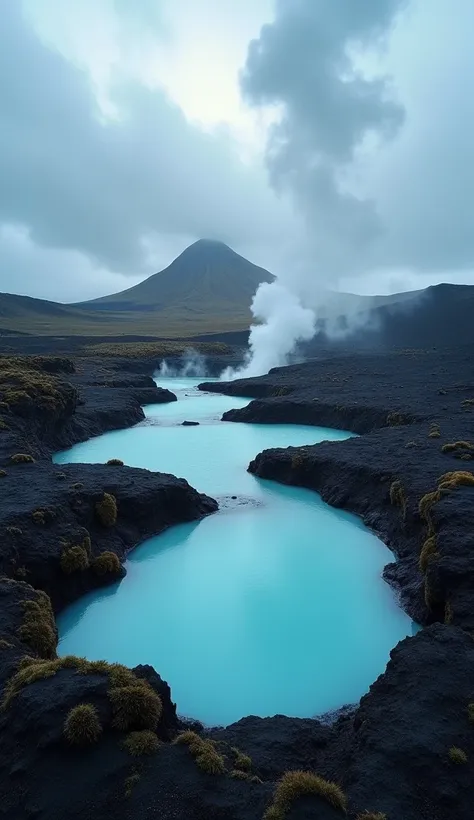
(22, 458)
(106, 510)
(241, 761)
(295, 784)
(457, 478)
(425, 505)
(82, 726)
(135, 706)
(5, 644)
(105, 564)
(29, 671)
(428, 553)
(398, 497)
(74, 559)
(38, 628)
(372, 815)
(453, 446)
(14, 531)
(238, 774)
(204, 752)
(141, 743)
(130, 783)
(115, 462)
(457, 756)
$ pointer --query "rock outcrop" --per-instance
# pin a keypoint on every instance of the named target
(87, 739)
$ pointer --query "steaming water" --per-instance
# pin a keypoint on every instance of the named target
(273, 605)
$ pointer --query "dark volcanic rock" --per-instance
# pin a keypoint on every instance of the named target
(396, 752)
(147, 503)
(190, 424)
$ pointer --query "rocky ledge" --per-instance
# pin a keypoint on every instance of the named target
(87, 739)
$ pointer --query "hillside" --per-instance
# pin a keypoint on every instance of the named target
(208, 288)
(205, 294)
(440, 316)
(208, 277)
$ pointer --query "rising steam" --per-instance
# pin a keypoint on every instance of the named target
(191, 364)
(281, 322)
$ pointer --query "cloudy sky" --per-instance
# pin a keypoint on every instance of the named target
(327, 140)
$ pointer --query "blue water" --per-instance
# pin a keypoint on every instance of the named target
(273, 605)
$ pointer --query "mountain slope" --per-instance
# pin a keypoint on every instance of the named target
(208, 288)
(207, 277)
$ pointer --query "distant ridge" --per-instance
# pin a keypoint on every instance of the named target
(206, 292)
(207, 288)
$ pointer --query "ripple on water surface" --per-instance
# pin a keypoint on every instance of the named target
(269, 607)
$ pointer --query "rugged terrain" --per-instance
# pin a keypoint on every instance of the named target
(207, 288)
(406, 752)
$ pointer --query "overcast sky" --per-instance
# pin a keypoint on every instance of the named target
(327, 140)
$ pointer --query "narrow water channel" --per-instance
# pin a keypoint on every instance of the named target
(275, 604)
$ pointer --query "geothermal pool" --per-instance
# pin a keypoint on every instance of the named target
(274, 605)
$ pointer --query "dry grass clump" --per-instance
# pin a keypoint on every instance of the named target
(115, 462)
(458, 478)
(204, 752)
(5, 644)
(139, 350)
(29, 671)
(22, 458)
(135, 706)
(3, 473)
(434, 431)
(372, 815)
(38, 628)
(238, 774)
(82, 726)
(452, 447)
(106, 510)
(425, 505)
(467, 404)
(106, 564)
(27, 384)
(398, 497)
(457, 755)
(428, 553)
(130, 783)
(141, 743)
(241, 761)
(43, 516)
(295, 784)
(3, 424)
(14, 531)
(74, 559)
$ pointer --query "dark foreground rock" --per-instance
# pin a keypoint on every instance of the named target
(93, 740)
